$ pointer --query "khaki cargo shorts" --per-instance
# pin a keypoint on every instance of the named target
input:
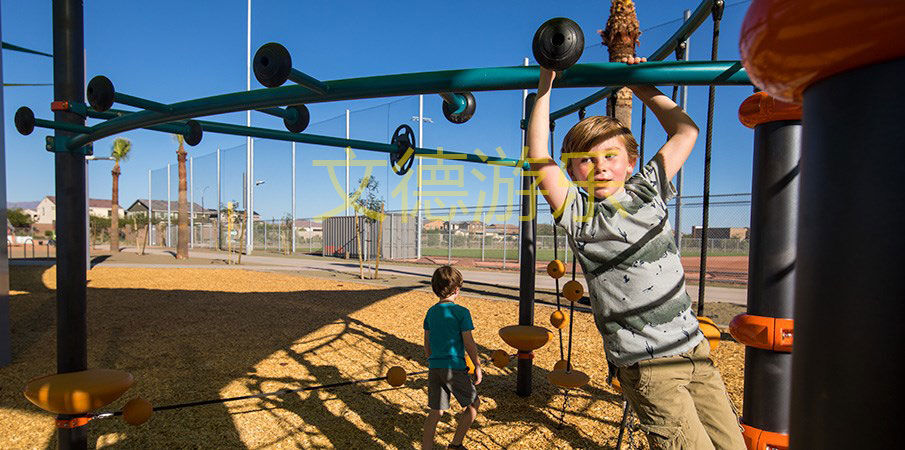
(681, 402)
(443, 382)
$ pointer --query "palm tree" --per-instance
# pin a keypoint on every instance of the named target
(182, 240)
(621, 37)
(119, 152)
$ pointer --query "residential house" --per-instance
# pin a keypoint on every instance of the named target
(29, 208)
(309, 229)
(498, 230)
(473, 227)
(435, 225)
(47, 209)
(159, 210)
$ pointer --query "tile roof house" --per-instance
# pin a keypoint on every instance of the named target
(47, 209)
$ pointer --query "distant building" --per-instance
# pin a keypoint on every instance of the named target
(500, 229)
(159, 210)
(28, 208)
(46, 212)
(474, 226)
(308, 229)
(435, 225)
(740, 233)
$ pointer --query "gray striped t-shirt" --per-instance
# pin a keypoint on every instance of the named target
(627, 251)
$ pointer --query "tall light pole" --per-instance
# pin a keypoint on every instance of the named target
(420, 119)
(202, 198)
(249, 148)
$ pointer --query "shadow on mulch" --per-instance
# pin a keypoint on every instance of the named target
(189, 345)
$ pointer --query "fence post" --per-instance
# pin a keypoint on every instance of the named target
(483, 235)
(150, 210)
(192, 202)
(168, 205)
(449, 240)
(504, 243)
(293, 198)
(219, 205)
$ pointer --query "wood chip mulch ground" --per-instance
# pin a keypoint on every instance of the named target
(196, 334)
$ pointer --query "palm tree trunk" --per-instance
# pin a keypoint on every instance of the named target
(621, 37)
(114, 219)
(182, 242)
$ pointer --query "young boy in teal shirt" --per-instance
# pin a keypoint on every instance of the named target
(447, 338)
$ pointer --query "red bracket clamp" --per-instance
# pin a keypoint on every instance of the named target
(768, 333)
(73, 423)
(757, 439)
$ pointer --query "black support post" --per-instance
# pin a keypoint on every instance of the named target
(528, 224)
(771, 269)
(5, 348)
(850, 284)
(69, 85)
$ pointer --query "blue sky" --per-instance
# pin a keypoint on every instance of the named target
(171, 51)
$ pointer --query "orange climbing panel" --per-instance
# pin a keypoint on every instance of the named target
(78, 392)
(568, 379)
(526, 338)
(711, 331)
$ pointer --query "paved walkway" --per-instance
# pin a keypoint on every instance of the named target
(736, 296)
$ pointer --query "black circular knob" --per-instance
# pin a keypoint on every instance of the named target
(194, 134)
(272, 65)
(25, 120)
(301, 115)
(558, 44)
(100, 93)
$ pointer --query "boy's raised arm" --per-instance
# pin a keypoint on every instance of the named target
(552, 182)
(679, 127)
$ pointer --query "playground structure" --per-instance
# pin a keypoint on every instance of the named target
(780, 400)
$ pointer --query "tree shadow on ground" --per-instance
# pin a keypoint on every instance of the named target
(184, 346)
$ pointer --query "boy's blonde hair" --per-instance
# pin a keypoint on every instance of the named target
(593, 130)
(445, 281)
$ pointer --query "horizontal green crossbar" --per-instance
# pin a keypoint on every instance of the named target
(487, 79)
(689, 26)
(264, 133)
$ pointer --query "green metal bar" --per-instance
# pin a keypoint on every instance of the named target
(688, 27)
(487, 79)
(276, 112)
(454, 99)
(63, 126)
(308, 82)
(8, 46)
(289, 114)
(175, 127)
(138, 102)
(329, 141)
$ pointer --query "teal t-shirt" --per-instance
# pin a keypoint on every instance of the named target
(446, 322)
